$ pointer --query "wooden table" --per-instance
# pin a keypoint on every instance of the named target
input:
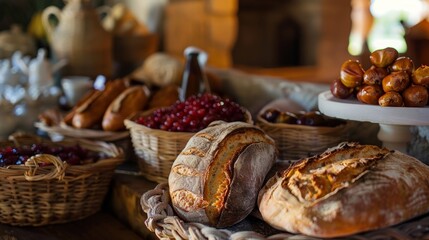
(101, 225)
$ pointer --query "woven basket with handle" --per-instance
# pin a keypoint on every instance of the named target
(35, 195)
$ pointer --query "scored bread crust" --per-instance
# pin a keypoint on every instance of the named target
(215, 180)
(348, 189)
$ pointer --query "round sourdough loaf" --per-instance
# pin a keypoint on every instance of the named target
(215, 180)
(348, 189)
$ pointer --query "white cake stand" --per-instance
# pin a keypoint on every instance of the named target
(394, 122)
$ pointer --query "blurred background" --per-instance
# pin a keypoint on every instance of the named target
(299, 40)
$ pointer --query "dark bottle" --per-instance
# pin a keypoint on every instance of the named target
(194, 80)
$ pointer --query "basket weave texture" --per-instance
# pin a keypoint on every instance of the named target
(62, 130)
(57, 193)
(157, 149)
(298, 141)
(161, 220)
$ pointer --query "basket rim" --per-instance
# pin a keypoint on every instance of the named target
(68, 131)
(115, 156)
(131, 124)
(261, 120)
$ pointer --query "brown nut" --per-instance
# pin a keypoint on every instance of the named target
(374, 75)
(415, 96)
(286, 117)
(351, 73)
(396, 81)
(403, 64)
(391, 99)
(271, 115)
(383, 57)
(313, 118)
(370, 94)
(421, 76)
(339, 90)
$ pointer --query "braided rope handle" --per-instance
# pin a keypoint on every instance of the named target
(161, 219)
(35, 173)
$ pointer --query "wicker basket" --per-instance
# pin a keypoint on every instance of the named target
(156, 149)
(57, 193)
(298, 141)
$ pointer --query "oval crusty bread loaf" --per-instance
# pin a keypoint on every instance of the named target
(348, 189)
(215, 180)
(91, 112)
(130, 101)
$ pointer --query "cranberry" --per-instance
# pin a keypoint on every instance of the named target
(194, 114)
(71, 154)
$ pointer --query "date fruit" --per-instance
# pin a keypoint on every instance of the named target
(374, 75)
(351, 73)
(383, 57)
(339, 90)
(396, 81)
(421, 76)
(403, 64)
(287, 117)
(370, 94)
(415, 96)
(391, 99)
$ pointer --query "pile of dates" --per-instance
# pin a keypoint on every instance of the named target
(391, 81)
(311, 118)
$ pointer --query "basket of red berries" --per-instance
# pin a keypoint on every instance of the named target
(159, 135)
(302, 134)
(44, 182)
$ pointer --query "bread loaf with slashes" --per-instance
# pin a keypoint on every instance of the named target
(348, 189)
(215, 180)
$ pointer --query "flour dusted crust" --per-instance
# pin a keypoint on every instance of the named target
(348, 189)
(215, 180)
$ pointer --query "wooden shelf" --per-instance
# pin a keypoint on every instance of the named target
(101, 225)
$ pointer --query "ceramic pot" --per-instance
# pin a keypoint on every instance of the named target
(79, 38)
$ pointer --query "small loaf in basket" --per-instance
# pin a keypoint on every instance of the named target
(216, 178)
(348, 189)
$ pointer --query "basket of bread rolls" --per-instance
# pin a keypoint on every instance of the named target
(350, 191)
(45, 182)
(99, 115)
(299, 133)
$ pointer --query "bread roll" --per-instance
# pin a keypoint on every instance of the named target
(68, 118)
(160, 69)
(346, 190)
(164, 97)
(128, 102)
(216, 178)
(91, 112)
